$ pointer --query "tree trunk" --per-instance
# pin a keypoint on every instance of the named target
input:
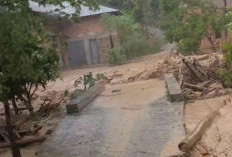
(194, 70)
(194, 87)
(24, 142)
(212, 44)
(14, 147)
(15, 106)
(225, 11)
(225, 6)
(26, 103)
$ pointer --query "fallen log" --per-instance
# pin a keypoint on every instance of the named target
(204, 84)
(24, 142)
(194, 87)
(132, 78)
(194, 70)
(186, 144)
(201, 58)
(34, 130)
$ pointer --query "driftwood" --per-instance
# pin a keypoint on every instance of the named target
(194, 87)
(186, 144)
(132, 78)
(24, 142)
(201, 58)
(200, 76)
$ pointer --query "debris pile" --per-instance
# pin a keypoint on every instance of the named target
(31, 128)
(144, 72)
(197, 75)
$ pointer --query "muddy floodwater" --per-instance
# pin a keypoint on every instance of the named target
(134, 121)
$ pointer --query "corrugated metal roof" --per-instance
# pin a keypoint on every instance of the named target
(85, 11)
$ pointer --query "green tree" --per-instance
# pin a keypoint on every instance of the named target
(225, 72)
(27, 58)
(144, 13)
(187, 22)
(131, 37)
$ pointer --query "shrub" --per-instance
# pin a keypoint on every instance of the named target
(133, 42)
(135, 45)
(115, 56)
(225, 73)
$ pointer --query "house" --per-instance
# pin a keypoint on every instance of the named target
(82, 42)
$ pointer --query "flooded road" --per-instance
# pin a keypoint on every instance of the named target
(127, 120)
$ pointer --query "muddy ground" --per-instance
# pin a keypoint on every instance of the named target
(137, 121)
(55, 90)
(217, 140)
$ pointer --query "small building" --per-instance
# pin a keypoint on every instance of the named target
(82, 42)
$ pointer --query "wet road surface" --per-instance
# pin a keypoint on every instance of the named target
(138, 121)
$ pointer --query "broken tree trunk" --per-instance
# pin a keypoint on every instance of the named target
(212, 44)
(14, 147)
(194, 87)
(15, 106)
(225, 11)
(200, 76)
(24, 142)
(186, 144)
(202, 58)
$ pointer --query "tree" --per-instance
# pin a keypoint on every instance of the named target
(131, 37)
(225, 72)
(187, 22)
(27, 58)
(144, 13)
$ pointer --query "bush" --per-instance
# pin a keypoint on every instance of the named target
(225, 73)
(115, 56)
(135, 45)
(133, 42)
(157, 46)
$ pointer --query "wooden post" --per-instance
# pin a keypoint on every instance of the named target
(14, 147)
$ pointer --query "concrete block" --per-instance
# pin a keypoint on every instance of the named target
(173, 88)
(79, 103)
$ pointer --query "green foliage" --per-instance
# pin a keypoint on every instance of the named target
(228, 17)
(187, 22)
(195, 29)
(26, 58)
(133, 42)
(136, 45)
(23, 6)
(156, 46)
(225, 73)
(100, 77)
(89, 80)
(145, 11)
(125, 25)
(115, 56)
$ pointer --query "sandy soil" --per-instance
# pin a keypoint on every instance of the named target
(196, 111)
(217, 140)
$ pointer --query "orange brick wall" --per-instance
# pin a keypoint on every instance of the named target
(88, 26)
(105, 45)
